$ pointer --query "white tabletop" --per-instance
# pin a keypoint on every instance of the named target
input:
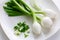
(54, 37)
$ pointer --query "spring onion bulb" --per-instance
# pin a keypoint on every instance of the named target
(46, 22)
(50, 13)
(47, 18)
(36, 28)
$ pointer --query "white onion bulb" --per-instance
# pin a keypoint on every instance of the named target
(46, 22)
(36, 28)
(50, 13)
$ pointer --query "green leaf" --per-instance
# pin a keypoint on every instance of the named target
(11, 12)
(16, 28)
(15, 8)
(26, 35)
(22, 27)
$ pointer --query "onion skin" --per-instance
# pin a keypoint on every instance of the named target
(36, 28)
(46, 22)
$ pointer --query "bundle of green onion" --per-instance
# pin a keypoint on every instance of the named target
(20, 8)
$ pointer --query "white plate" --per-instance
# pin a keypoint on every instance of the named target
(7, 23)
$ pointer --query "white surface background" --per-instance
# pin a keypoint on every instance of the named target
(54, 37)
